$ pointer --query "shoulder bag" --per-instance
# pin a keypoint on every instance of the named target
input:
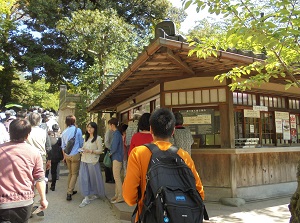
(70, 144)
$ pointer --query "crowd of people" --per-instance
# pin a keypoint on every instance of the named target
(25, 141)
(37, 131)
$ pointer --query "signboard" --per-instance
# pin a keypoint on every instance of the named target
(281, 115)
(200, 119)
(251, 128)
(260, 108)
(251, 113)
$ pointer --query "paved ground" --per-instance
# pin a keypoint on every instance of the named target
(62, 211)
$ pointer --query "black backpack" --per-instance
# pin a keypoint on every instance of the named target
(171, 195)
(55, 154)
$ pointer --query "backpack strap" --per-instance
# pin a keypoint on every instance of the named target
(75, 132)
(154, 148)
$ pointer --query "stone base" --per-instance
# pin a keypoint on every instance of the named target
(234, 202)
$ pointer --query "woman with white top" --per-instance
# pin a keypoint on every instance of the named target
(90, 177)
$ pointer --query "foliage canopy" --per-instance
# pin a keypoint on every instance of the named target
(269, 27)
(32, 45)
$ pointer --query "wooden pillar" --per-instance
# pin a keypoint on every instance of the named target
(162, 94)
(230, 116)
(227, 122)
(231, 136)
(233, 175)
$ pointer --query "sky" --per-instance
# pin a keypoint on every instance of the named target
(193, 16)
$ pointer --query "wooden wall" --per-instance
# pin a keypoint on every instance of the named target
(214, 169)
(266, 168)
(252, 169)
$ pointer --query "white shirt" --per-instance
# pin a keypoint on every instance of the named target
(4, 136)
(37, 138)
(95, 146)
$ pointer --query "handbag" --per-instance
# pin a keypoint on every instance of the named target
(107, 160)
(70, 144)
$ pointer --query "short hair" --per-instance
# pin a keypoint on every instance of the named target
(162, 122)
(19, 130)
(34, 119)
(178, 118)
(70, 120)
(55, 127)
(144, 123)
(123, 128)
(21, 114)
(114, 121)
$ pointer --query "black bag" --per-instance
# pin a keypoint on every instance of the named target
(171, 195)
(70, 144)
(56, 154)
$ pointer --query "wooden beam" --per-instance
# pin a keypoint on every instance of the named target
(175, 59)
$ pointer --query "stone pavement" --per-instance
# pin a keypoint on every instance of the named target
(62, 211)
(266, 211)
(100, 210)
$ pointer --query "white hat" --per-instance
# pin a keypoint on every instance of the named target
(137, 113)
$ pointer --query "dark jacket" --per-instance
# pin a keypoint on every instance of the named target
(55, 154)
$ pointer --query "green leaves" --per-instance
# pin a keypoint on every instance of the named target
(106, 38)
(269, 27)
(34, 94)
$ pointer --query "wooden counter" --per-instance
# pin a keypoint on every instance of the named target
(245, 172)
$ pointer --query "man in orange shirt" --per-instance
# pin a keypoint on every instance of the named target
(162, 124)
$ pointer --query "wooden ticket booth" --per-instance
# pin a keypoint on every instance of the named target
(246, 144)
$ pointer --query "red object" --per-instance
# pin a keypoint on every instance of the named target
(139, 139)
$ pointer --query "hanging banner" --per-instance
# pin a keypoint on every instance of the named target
(286, 129)
(293, 121)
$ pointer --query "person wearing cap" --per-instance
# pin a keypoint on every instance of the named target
(50, 121)
(10, 116)
(4, 136)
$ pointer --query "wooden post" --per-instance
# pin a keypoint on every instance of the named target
(233, 179)
(230, 115)
(162, 94)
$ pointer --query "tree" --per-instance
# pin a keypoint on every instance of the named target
(32, 44)
(269, 27)
(105, 37)
(36, 94)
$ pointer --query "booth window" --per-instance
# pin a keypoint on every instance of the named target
(204, 125)
(245, 127)
(294, 104)
(268, 131)
(195, 96)
(272, 101)
(242, 98)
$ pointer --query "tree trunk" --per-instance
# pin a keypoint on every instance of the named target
(294, 205)
(6, 78)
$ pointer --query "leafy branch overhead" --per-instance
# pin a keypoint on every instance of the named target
(268, 27)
